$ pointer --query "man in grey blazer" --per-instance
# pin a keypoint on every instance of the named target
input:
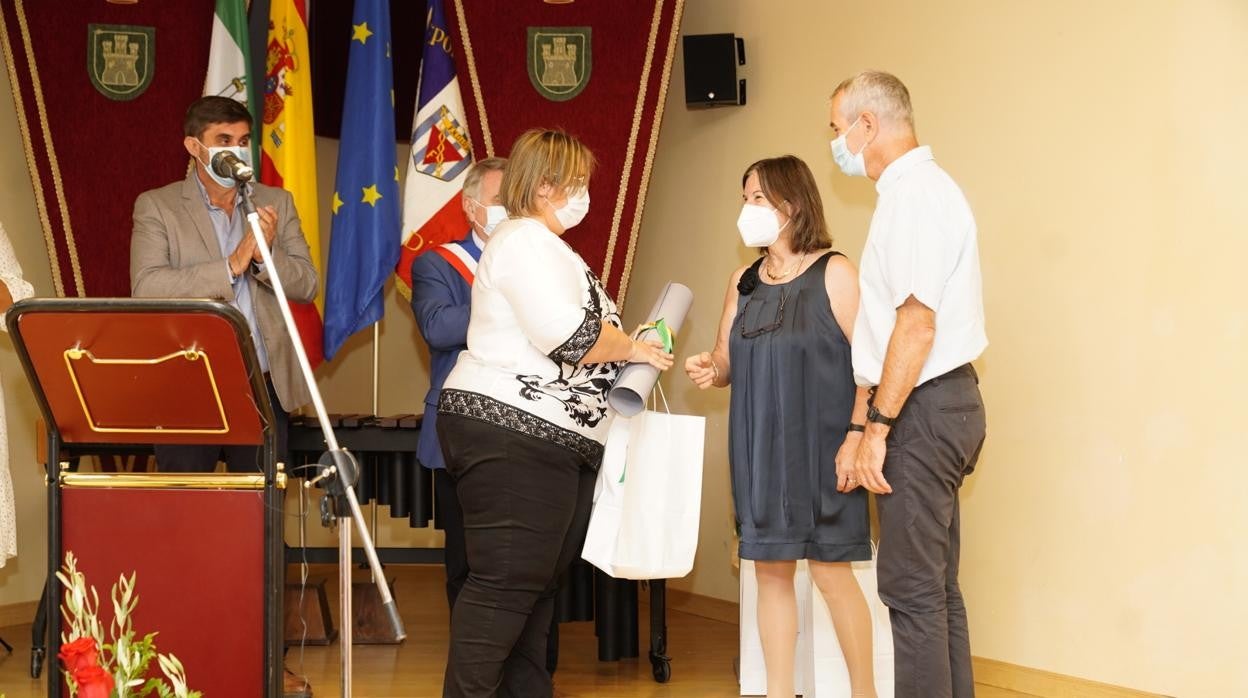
(191, 240)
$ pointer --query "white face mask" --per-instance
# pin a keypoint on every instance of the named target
(241, 152)
(493, 216)
(574, 210)
(852, 164)
(759, 226)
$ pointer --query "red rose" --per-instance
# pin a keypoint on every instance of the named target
(93, 682)
(79, 654)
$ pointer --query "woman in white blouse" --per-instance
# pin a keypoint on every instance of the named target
(523, 415)
(13, 289)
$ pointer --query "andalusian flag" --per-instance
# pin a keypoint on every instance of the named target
(229, 58)
(288, 143)
(441, 150)
(364, 232)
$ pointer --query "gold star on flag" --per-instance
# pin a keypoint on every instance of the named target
(360, 33)
(337, 203)
(396, 173)
(371, 195)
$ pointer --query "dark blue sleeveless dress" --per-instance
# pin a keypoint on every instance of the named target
(792, 399)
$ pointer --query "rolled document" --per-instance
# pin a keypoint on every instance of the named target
(628, 395)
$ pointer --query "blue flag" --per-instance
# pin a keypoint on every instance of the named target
(364, 233)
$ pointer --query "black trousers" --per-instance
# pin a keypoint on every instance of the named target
(238, 459)
(526, 504)
(451, 516)
(932, 448)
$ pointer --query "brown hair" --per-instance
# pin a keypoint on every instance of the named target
(787, 179)
(538, 157)
(206, 111)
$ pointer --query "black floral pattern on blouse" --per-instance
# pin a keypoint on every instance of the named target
(581, 341)
(582, 390)
(487, 409)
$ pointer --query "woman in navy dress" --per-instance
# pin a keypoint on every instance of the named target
(784, 347)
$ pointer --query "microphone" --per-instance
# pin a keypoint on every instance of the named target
(227, 164)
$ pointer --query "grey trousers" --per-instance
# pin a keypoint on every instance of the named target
(932, 448)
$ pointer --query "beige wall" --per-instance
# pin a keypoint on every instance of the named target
(1101, 145)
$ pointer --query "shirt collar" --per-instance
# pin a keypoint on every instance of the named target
(899, 167)
(203, 191)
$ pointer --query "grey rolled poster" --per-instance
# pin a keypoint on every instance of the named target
(628, 395)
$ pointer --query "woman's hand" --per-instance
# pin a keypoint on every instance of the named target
(701, 369)
(846, 455)
(650, 352)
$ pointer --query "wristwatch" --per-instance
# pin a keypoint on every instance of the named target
(874, 415)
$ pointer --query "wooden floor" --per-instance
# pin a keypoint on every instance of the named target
(702, 652)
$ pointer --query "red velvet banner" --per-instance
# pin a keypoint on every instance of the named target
(90, 154)
(608, 63)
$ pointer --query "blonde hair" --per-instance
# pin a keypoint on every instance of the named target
(878, 92)
(543, 157)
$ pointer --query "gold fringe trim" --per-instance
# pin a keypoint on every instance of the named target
(53, 165)
(644, 184)
(626, 172)
(472, 78)
(40, 204)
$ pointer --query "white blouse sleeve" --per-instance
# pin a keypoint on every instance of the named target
(544, 284)
(11, 273)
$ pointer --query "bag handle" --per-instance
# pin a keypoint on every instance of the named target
(658, 388)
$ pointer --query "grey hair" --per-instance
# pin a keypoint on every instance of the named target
(472, 180)
(877, 92)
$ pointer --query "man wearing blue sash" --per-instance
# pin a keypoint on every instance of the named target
(441, 301)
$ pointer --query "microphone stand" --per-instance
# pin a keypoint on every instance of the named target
(338, 468)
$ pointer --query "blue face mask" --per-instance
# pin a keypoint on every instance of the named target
(242, 152)
(852, 164)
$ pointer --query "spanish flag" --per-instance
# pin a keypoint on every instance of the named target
(288, 143)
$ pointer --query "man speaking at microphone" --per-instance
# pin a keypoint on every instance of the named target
(191, 239)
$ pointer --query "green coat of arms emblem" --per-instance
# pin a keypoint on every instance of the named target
(120, 59)
(559, 61)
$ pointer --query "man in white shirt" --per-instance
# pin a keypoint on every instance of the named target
(920, 324)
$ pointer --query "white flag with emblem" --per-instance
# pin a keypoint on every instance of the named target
(228, 60)
(441, 152)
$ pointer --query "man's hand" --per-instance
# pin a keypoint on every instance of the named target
(268, 226)
(242, 255)
(868, 468)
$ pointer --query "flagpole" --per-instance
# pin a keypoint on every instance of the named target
(376, 414)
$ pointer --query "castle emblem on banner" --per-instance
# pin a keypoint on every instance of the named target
(120, 59)
(444, 149)
(559, 60)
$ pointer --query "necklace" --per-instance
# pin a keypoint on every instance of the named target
(776, 277)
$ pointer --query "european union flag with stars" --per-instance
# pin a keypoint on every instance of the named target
(364, 232)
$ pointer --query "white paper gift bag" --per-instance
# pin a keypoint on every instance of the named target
(648, 501)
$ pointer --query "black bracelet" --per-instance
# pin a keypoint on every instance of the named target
(857, 427)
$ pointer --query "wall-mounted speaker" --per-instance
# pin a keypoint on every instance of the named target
(711, 62)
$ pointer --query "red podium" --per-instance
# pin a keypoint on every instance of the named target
(207, 548)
